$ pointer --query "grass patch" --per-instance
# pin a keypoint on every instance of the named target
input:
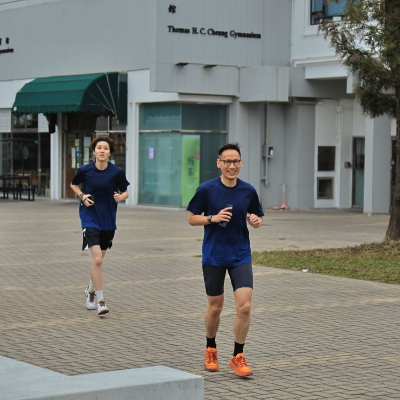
(378, 262)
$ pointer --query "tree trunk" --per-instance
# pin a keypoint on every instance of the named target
(393, 230)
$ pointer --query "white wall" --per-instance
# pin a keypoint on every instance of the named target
(326, 134)
(56, 161)
(306, 42)
(377, 165)
(312, 54)
(81, 36)
(358, 120)
(8, 91)
(334, 127)
(345, 152)
(223, 16)
(273, 167)
(76, 37)
(6, 4)
(299, 155)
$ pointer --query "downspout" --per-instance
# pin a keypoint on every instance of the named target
(264, 147)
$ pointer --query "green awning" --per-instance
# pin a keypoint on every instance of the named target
(102, 94)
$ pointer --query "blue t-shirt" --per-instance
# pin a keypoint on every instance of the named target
(230, 245)
(101, 184)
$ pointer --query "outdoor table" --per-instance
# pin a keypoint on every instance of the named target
(15, 183)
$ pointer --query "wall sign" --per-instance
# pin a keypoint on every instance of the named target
(213, 32)
(6, 41)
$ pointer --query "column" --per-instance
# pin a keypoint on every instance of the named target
(56, 160)
(377, 165)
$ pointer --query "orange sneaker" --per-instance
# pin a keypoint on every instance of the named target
(240, 366)
(211, 359)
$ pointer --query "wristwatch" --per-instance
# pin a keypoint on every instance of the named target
(209, 219)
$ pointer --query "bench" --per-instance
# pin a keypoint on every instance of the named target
(5, 190)
(18, 190)
(17, 185)
(20, 380)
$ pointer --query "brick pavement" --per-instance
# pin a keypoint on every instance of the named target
(312, 336)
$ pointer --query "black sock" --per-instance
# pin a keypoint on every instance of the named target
(238, 349)
(211, 342)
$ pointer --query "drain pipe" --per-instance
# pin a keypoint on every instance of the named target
(264, 147)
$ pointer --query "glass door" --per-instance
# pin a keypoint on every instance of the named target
(160, 169)
(76, 154)
(172, 165)
(358, 171)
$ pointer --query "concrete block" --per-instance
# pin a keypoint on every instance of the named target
(23, 381)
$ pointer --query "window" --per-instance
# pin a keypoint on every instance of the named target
(320, 10)
(183, 117)
(22, 122)
(326, 158)
(325, 188)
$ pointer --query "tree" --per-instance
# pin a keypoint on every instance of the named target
(367, 43)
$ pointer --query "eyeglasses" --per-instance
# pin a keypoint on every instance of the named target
(227, 163)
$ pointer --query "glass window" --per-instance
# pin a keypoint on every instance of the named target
(177, 116)
(326, 158)
(320, 10)
(105, 124)
(325, 188)
(24, 121)
(31, 121)
(160, 116)
(209, 145)
(203, 117)
(317, 5)
(119, 157)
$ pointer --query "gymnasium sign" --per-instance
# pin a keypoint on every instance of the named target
(213, 32)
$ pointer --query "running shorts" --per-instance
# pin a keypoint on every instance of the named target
(214, 278)
(95, 237)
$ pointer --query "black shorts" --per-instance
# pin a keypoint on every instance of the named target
(214, 278)
(95, 237)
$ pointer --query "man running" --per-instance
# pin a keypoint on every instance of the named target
(224, 206)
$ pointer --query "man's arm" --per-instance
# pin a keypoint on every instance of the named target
(200, 220)
(121, 196)
(254, 220)
(197, 220)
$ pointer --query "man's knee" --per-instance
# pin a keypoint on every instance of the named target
(215, 308)
(244, 308)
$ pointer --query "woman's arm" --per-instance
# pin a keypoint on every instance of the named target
(83, 196)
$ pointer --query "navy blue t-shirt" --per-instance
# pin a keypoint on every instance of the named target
(101, 184)
(230, 245)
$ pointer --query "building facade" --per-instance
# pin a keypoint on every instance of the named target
(171, 82)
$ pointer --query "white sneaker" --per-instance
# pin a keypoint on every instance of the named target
(90, 300)
(102, 308)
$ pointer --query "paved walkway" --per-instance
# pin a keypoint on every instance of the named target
(312, 336)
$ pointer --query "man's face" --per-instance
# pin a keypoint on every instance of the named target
(226, 163)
